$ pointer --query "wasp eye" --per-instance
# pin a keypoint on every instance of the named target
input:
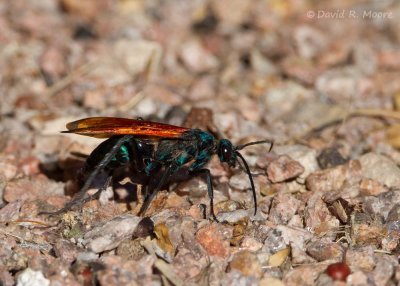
(226, 154)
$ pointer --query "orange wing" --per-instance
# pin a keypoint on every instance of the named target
(105, 127)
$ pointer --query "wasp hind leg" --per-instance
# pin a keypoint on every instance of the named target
(81, 197)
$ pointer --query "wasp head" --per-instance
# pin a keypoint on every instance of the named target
(229, 154)
(226, 152)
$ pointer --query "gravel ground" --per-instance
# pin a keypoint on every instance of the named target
(319, 78)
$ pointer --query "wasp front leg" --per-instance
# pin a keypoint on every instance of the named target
(210, 188)
(196, 168)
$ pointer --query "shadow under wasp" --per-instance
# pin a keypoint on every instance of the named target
(153, 148)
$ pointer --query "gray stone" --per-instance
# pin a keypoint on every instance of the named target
(381, 169)
(111, 234)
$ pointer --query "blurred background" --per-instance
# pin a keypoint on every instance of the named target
(321, 78)
(271, 68)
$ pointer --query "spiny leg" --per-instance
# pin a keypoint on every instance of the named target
(210, 189)
(148, 200)
(80, 196)
(97, 194)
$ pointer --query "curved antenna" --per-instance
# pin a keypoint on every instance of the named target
(240, 147)
(253, 189)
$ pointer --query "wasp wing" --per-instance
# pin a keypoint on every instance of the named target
(105, 127)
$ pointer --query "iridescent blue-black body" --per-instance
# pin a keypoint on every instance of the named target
(195, 145)
(194, 149)
(158, 160)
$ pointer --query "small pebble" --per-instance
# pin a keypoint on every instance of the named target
(323, 250)
(247, 263)
(30, 277)
(329, 158)
(111, 234)
(215, 239)
(381, 169)
(284, 168)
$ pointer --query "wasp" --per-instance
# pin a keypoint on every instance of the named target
(154, 148)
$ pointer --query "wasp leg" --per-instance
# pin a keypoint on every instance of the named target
(80, 199)
(210, 188)
(100, 167)
(97, 194)
(162, 181)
